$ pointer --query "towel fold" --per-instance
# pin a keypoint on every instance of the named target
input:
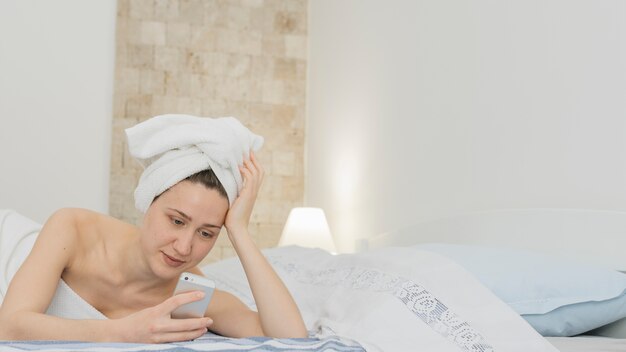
(173, 147)
(17, 237)
(66, 303)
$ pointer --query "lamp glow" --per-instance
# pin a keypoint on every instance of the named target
(307, 227)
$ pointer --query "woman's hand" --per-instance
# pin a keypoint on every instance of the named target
(238, 216)
(155, 325)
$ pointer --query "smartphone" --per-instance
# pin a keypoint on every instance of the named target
(192, 282)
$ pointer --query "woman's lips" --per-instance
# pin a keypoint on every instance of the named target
(171, 261)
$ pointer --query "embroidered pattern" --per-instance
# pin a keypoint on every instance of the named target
(415, 297)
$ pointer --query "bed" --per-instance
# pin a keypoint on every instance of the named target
(575, 243)
(405, 293)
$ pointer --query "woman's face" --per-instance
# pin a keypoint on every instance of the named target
(181, 226)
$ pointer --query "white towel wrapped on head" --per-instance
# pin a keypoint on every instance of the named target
(173, 147)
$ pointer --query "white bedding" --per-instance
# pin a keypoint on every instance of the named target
(392, 299)
(588, 344)
(17, 236)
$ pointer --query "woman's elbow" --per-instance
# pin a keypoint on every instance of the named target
(302, 333)
(7, 328)
(291, 333)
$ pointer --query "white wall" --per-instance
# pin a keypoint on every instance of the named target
(427, 108)
(56, 87)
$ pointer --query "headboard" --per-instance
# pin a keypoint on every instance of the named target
(593, 236)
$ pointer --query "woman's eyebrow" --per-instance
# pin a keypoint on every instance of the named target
(188, 218)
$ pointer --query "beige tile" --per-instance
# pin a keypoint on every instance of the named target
(152, 33)
(191, 106)
(119, 105)
(294, 93)
(202, 86)
(283, 114)
(296, 46)
(290, 23)
(269, 234)
(128, 81)
(203, 38)
(178, 34)
(123, 8)
(214, 13)
(191, 11)
(168, 58)
(261, 111)
(132, 29)
(177, 84)
(166, 10)
(286, 139)
(300, 6)
(139, 106)
(285, 69)
(141, 9)
(280, 211)
(212, 107)
(236, 41)
(140, 56)
(252, 3)
(298, 122)
(162, 104)
(151, 82)
(237, 17)
(121, 43)
(238, 66)
(273, 45)
(262, 68)
(283, 163)
(215, 63)
(289, 188)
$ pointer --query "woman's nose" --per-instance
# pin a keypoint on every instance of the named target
(182, 244)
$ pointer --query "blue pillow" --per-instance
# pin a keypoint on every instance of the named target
(557, 297)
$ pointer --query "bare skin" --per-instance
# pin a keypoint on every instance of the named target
(129, 273)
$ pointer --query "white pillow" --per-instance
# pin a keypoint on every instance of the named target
(557, 297)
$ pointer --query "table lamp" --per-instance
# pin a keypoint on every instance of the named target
(307, 227)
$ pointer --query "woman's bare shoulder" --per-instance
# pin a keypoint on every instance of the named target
(83, 219)
(83, 226)
(73, 216)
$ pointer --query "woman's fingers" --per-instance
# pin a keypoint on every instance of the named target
(255, 168)
(250, 166)
(256, 163)
(188, 324)
(251, 171)
(179, 336)
(246, 174)
(178, 300)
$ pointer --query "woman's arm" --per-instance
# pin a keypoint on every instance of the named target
(33, 286)
(278, 314)
(22, 314)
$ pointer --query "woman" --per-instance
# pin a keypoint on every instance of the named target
(128, 273)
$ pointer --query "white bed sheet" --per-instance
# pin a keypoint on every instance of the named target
(393, 299)
(588, 344)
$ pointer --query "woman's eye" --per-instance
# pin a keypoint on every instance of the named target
(177, 222)
(206, 234)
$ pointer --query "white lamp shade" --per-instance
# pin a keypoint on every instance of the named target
(307, 227)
